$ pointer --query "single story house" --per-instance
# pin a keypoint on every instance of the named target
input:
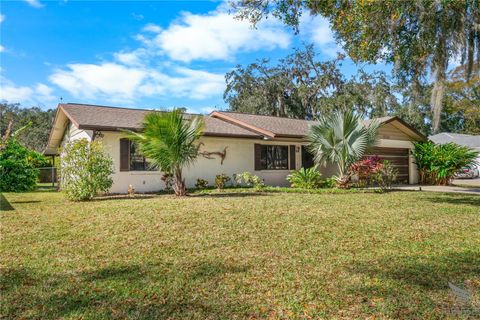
(232, 142)
(467, 140)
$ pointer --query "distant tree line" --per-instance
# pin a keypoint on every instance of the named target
(301, 86)
(36, 137)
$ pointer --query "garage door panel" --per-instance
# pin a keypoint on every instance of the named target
(394, 160)
(398, 158)
(389, 151)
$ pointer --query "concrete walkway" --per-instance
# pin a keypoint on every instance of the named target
(450, 189)
(467, 182)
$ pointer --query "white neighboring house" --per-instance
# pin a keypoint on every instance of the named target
(468, 140)
(267, 146)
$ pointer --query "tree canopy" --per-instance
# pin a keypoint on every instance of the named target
(36, 137)
(302, 86)
(419, 37)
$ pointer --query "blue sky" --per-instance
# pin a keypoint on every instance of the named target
(157, 54)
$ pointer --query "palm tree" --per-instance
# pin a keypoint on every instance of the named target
(168, 140)
(341, 138)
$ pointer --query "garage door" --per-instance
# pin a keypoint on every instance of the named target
(398, 157)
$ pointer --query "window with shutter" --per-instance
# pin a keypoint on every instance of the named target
(292, 157)
(271, 157)
(131, 159)
(124, 154)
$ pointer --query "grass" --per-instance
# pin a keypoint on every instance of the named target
(237, 255)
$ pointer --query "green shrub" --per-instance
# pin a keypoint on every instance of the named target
(437, 164)
(85, 170)
(328, 183)
(385, 175)
(18, 165)
(305, 178)
(201, 183)
(221, 180)
(250, 180)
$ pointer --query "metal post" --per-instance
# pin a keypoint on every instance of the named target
(53, 171)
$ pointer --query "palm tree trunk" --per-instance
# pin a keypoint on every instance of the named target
(179, 187)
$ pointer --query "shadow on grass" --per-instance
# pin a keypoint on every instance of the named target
(460, 199)
(27, 201)
(125, 291)
(124, 197)
(414, 283)
(4, 204)
(228, 194)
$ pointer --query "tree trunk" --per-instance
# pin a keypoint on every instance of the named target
(436, 99)
(280, 106)
(179, 187)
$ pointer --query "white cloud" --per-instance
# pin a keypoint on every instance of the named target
(34, 3)
(25, 95)
(316, 29)
(152, 28)
(2, 48)
(115, 82)
(216, 36)
(112, 81)
(2, 18)
(196, 84)
(130, 58)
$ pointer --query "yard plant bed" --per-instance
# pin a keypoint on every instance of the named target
(237, 255)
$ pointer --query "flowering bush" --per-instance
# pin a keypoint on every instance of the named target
(365, 168)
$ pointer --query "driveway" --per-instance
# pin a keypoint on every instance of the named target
(467, 182)
(449, 189)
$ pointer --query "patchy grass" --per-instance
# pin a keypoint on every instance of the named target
(238, 255)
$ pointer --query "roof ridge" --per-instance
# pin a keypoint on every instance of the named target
(262, 115)
(124, 108)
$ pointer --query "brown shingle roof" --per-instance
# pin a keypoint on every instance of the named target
(218, 123)
(277, 126)
(112, 118)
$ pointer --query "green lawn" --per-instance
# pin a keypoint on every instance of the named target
(238, 255)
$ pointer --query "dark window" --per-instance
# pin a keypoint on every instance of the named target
(274, 157)
(137, 160)
(307, 158)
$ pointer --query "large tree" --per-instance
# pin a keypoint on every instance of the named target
(420, 37)
(302, 86)
(462, 103)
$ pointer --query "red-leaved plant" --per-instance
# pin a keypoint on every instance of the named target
(366, 167)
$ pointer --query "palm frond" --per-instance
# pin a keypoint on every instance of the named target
(341, 138)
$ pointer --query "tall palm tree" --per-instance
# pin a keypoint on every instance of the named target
(341, 138)
(169, 141)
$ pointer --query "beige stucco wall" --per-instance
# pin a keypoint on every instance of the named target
(73, 133)
(239, 158)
